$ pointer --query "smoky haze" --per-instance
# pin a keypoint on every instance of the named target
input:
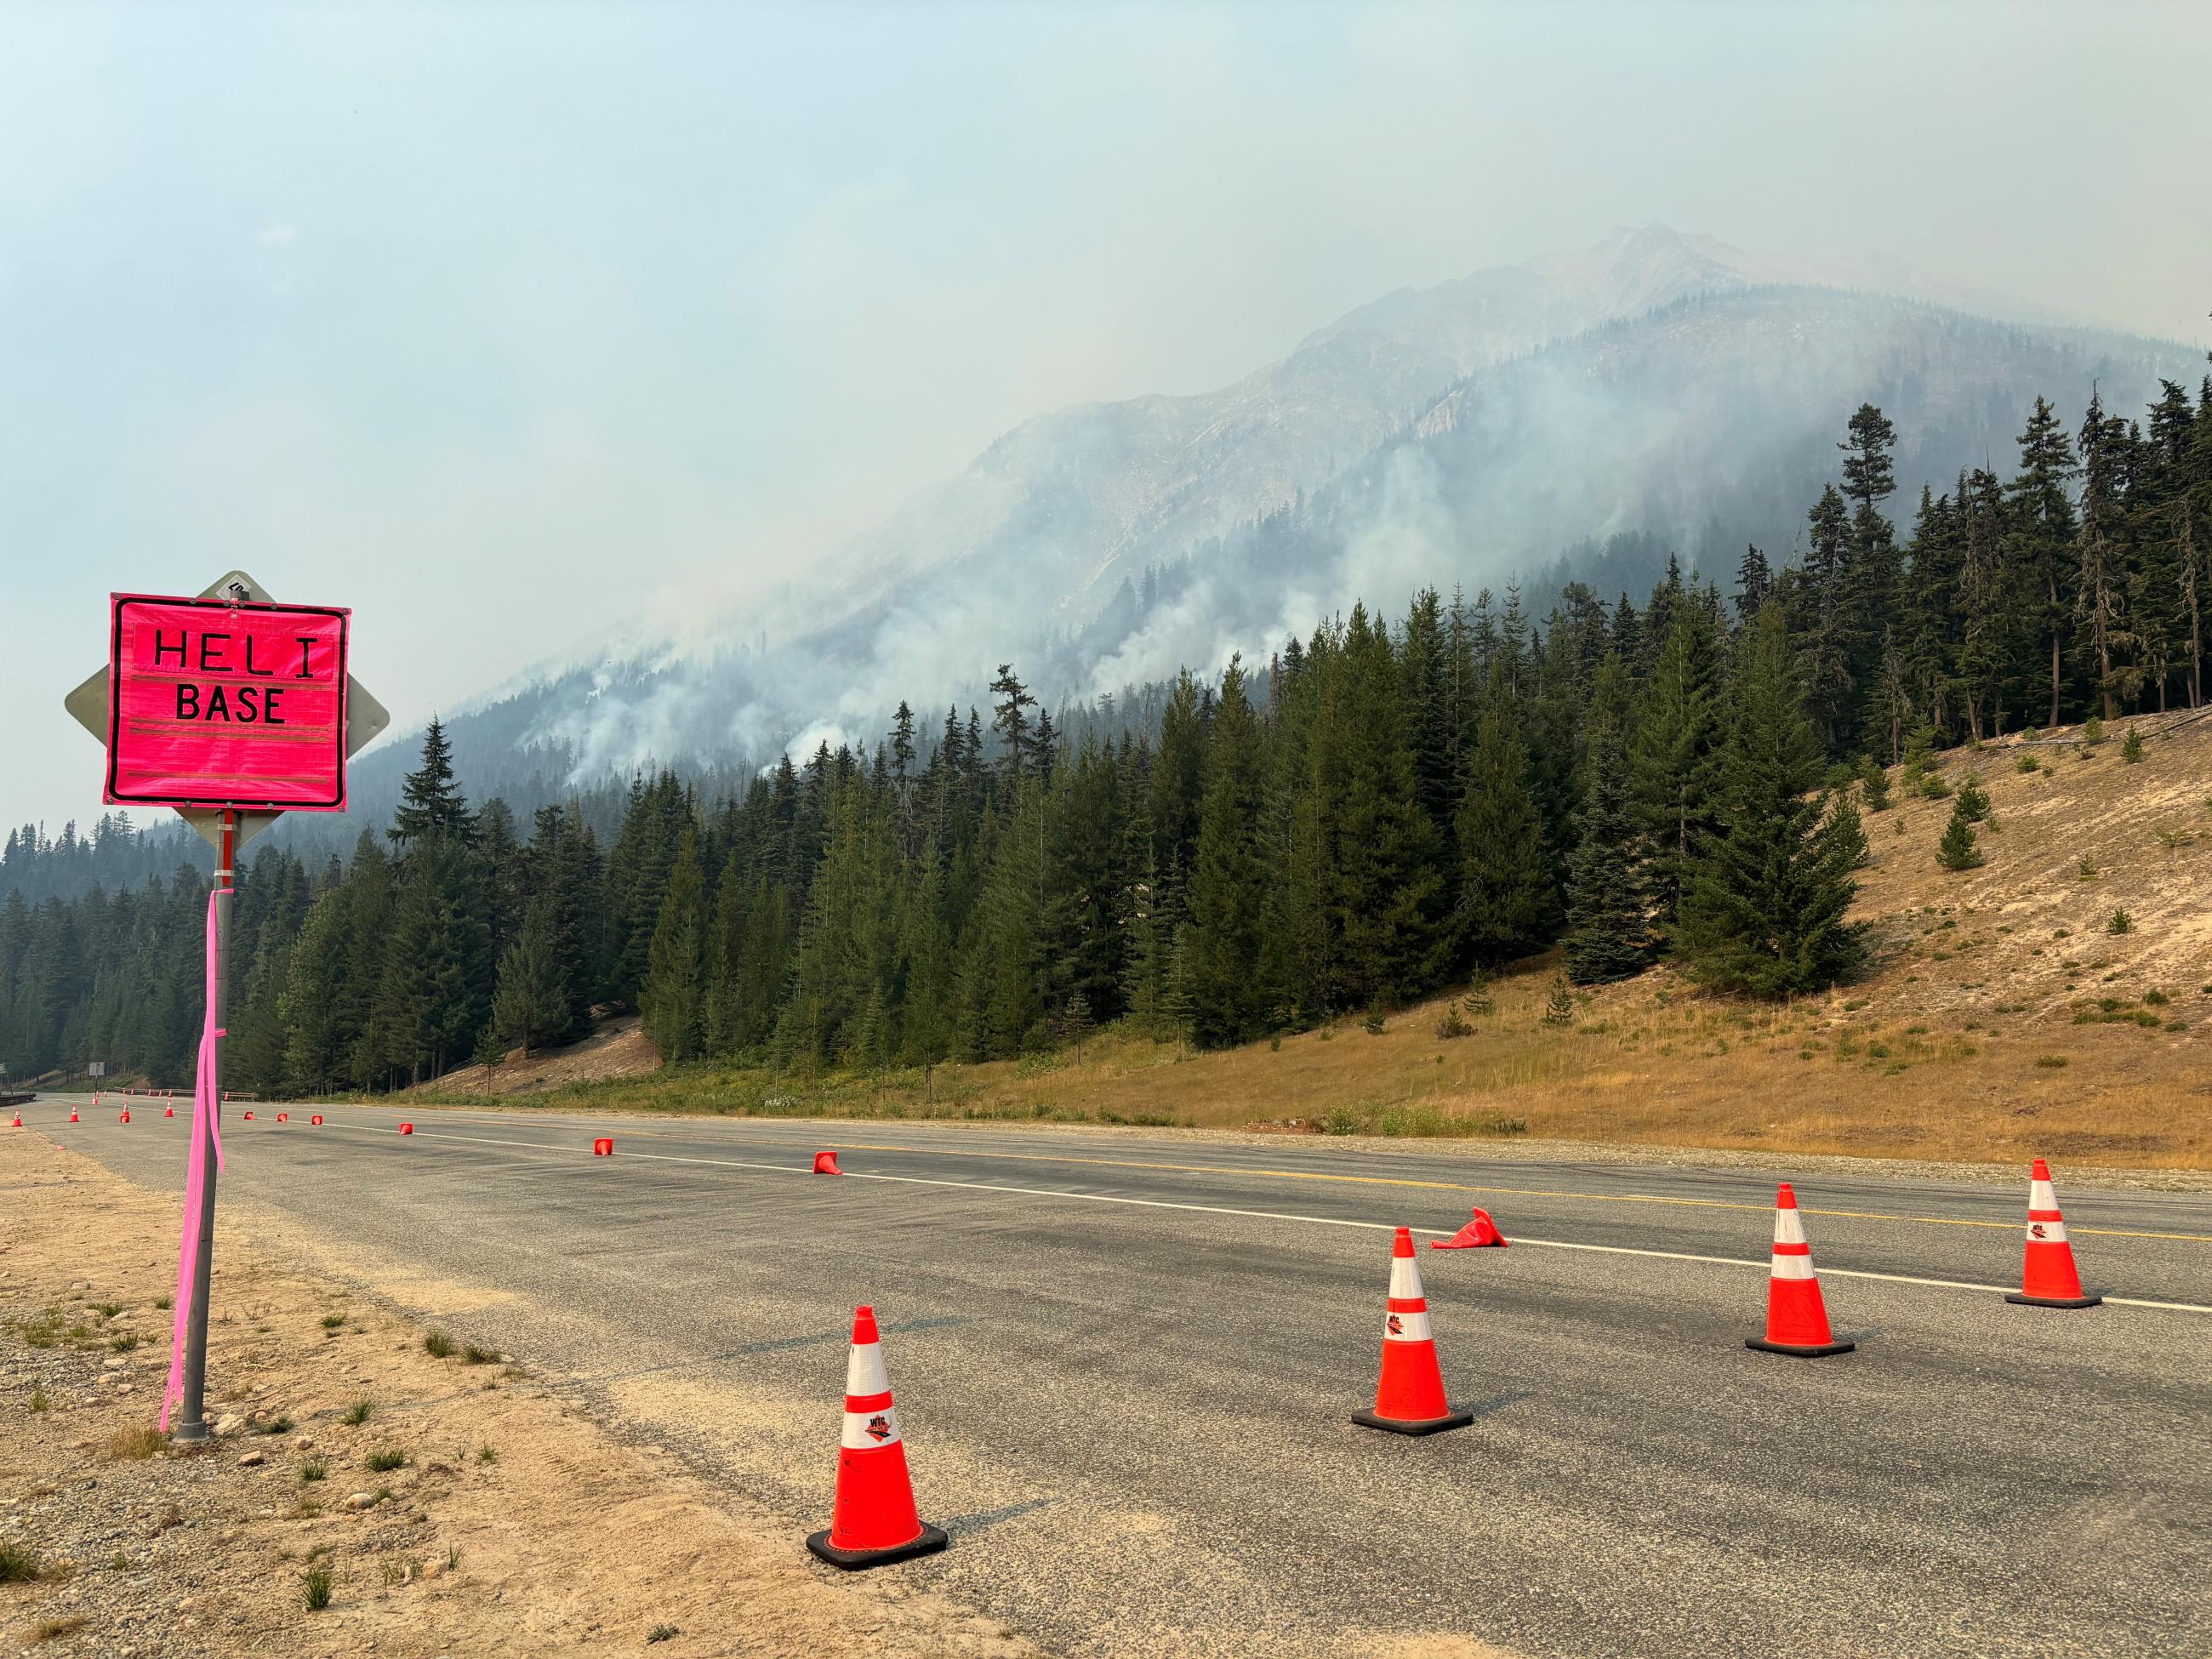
(621, 340)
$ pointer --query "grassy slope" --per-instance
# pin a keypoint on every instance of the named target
(2000, 1017)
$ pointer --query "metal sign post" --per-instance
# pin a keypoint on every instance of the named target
(229, 828)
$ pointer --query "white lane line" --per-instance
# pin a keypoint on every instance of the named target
(1268, 1215)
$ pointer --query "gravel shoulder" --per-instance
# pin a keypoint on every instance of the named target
(513, 1525)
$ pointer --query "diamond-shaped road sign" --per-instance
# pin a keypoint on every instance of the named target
(366, 718)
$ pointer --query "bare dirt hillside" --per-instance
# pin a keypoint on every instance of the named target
(618, 1047)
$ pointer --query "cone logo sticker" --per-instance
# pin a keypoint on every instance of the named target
(1396, 1326)
(879, 1429)
(2035, 1231)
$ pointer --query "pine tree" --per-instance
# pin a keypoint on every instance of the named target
(531, 1007)
(2040, 544)
(1228, 884)
(1672, 759)
(1506, 891)
(1958, 850)
(674, 1001)
(1609, 935)
(1765, 912)
(430, 803)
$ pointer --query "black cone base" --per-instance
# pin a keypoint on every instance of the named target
(929, 1541)
(1424, 1425)
(2026, 1301)
(1799, 1350)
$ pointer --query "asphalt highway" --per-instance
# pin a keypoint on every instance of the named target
(1125, 1364)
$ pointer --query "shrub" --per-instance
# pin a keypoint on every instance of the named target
(18, 1565)
(332, 1321)
(2120, 922)
(1452, 1025)
(438, 1345)
(315, 1587)
(2132, 750)
(359, 1413)
(1973, 799)
(315, 1470)
(2087, 868)
(2051, 1062)
(1374, 1025)
(473, 1355)
(1559, 1007)
(385, 1459)
(2092, 731)
(1874, 786)
(2027, 763)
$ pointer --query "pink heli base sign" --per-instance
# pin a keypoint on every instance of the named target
(214, 704)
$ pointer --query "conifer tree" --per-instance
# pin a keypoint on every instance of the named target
(1958, 850)
(531, 1007)
(1228, 884)
(1765, 912)
(1673, 757)
(1504, 890)
(675, 991)
(1609, 933)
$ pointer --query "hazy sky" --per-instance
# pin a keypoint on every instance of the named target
(499, 325)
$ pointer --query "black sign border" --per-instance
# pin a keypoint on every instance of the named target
(117, 797)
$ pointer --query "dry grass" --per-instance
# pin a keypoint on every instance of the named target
(2000, 1015)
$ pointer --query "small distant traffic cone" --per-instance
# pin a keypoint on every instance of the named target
(1410, 1398)
(316, 1119)
(18, 1123)
(603, 1147)
(1797, 1321)
(872, 1520)
(284, 1117)
(124, 1117)
(826, 1164)
(249, 1117)
(72, 1114)
(168, 1111)
(1480, 1233)
(406, 1128)
(2048, 1279)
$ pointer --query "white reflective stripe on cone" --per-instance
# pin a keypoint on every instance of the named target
(2046, 1232)
(1406, 1327)
(1789, 1227)
(2041, 1195)
(1792, 1266)
(866, 1431)
(865, 1372)
(1405, 1279)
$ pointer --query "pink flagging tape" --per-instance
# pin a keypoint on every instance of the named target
(207, 1115)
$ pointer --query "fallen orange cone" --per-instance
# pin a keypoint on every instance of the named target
(316, 1119)
(603, 1147)
(249, 1117)
(1796, 1319)
(284, 1117)
(872, 1520)
(406, 1128)
(2048, 1279)
(1481, 1233)
(826, 1164)
(1410, 1397)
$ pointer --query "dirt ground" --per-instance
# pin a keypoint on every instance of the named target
(507, 1526)
(619, 1048)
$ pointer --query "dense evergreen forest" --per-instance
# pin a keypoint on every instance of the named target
(1378, 810)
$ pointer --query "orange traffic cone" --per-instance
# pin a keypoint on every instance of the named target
(2048, 1279)
(872, 1520)
(826, 1164)
(72, 1114)
(284, 1117)
(18, 1123)
(124, 1116)
(1479, 1234)
(406, 1128)
(603, 1146)
(315, 1120)
(1410, 1398)
(249, 1117)
(1797, 1321)
(168, 1111)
